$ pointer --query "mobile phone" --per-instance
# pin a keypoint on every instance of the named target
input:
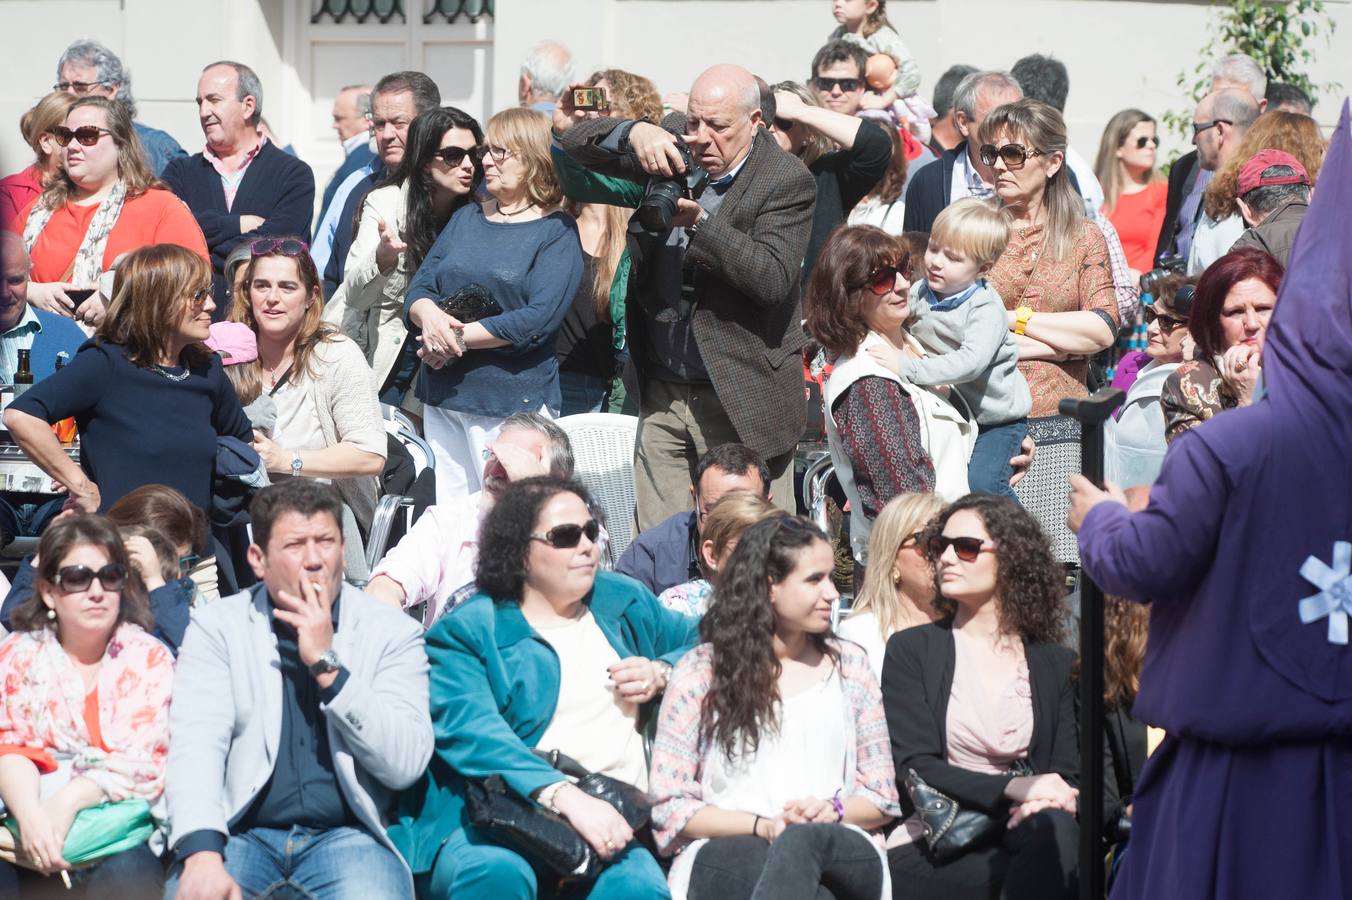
(79, 295)
(592, 99)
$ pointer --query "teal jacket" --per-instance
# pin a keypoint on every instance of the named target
(494, 685)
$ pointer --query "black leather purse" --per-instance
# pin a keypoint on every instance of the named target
(951, 830)
(543, 837)
(470, 304)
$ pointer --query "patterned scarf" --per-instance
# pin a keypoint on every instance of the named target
(88, 264)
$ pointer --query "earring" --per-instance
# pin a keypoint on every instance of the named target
(896, 578)
(51, 614)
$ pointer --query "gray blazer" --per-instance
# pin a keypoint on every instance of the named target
(226, 718)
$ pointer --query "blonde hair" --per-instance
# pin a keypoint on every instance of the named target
(1293, 133)
(974, 228)
(734, 513)
(1040, 127)
(631, 96)
(1107, 167)
(151, 292)
(247, 380)
(132, 167)
(817, 144)
(45, 115)
(610, 250)
(526, 133)
(903, 516)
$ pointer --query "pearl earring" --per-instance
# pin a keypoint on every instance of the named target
(51, 614)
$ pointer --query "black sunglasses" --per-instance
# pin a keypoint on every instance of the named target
(1199, 127)
(884, 278)
(781, 124)
(847, 85)
(1167, 323)
(565, 537)
(966, 548)
(87, 135)
(284, 246)
(454, 156)
(1142, 141)
(1014, 155)
(78, 578)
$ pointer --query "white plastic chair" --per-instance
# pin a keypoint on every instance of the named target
(391, 506)
(603, 450)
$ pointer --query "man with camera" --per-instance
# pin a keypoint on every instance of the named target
(717, 244)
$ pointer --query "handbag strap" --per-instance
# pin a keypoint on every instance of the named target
(564, 763)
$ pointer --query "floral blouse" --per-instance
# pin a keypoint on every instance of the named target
(1193, 393)
(43, 706)
(1025, 275)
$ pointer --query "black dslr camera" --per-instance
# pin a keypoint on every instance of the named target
(1169, 265)
(659, 197)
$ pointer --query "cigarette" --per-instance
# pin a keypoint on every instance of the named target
(65, 878)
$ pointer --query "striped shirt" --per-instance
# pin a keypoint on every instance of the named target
(230, 181)
(20, 337)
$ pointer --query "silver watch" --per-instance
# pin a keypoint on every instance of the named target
(295, 463)
(327, 662)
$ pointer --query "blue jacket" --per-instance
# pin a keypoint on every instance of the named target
(58, 335)
(494, 686)
(353, 162)
(664, 555)
(161, 149)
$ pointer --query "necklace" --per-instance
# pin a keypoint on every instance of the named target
(272, 372)
(517, 212)
(160, 370)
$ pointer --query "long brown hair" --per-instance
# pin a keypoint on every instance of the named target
(1293, 133)
(1107, 167)
(609, 251)
(151, 293)
(313, 329)
(132, 167)
(1125, 625)
(60, 538)
(877, 20)
(838, 279)
(893, 182)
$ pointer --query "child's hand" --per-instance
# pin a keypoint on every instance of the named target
(887, 358)
(871, 100)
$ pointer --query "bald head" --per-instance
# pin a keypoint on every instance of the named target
(1224, 116)
(728, 81)
(14, 271)
(721, 117)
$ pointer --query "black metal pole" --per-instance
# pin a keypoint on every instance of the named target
(1091, 412)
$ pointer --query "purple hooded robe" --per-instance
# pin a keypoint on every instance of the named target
(1250, 795)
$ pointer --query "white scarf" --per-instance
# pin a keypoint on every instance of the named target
(89, 258)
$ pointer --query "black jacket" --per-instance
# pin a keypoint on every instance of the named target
(843, 178)
(1182, 176)
(917, 681)
(930, 191)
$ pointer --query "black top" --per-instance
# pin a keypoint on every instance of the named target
(138, 426)
(1124, 753)
(845, 177)
(585, 343)
(916, 684)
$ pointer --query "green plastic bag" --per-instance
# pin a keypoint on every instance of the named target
(102, 831)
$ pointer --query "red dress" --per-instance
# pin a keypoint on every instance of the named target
(1138, 218)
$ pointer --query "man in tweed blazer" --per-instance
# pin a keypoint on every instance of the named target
(713, 310)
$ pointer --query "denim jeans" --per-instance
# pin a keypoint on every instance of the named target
(27, 515)
(582, 393)
(130, 875)
(988, 470)
(310, 864)
(801, 862)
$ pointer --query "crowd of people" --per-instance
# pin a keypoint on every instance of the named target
(208, 692)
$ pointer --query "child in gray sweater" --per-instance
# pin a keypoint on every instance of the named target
(962, 324)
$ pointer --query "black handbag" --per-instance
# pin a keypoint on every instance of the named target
(541, 836)
(951, 830)
(470, 304)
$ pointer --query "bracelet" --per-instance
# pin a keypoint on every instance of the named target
(755, 827)
(838, 806)
(549, 794)
(459, 334)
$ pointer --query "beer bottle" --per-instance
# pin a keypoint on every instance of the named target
(23, 378)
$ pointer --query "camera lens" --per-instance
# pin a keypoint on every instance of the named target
(659, 206)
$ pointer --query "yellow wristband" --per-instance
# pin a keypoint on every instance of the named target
(1021, 317)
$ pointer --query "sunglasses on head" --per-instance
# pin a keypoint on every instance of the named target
(884, 278)
(1142, 141)
(284, 246)
(1167, 323)
(454, 156)
(566, 537)
(87, 135)
(1014, 155)
(966, 548)
(78, 578)
(846, 85)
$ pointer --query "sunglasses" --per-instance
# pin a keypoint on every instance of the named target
(966, 548)
(78, 87)
(846, 85)
(284, 246)
(87, 135)
(198, 298)
(781, 124)
(1142, 141)
(566, 537)
(1199, 127)
(74, 579)
(884, 279)
(1014, 155)
(1167, 323)
(454, 156)
(185, 563)
(913, 538)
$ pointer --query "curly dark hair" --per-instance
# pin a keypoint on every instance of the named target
(744, 691)
(504, 540)
(1029, 582)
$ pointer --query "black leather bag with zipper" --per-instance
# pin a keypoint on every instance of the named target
(951, 830)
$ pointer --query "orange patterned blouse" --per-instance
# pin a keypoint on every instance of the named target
(1080, 281)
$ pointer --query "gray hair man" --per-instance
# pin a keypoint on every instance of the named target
(546, 73)
(1242, 72)
(1221, 120)
(352, 122)
(432, 565)
(87, 68)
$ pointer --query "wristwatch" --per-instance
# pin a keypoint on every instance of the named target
(328, 662)
(692, 229)
(1021, 317)
(295, 463)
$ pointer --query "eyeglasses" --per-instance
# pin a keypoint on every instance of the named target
(185, 563)
(966, 548)
(884, 278)
(454, 156)
(78, 87)
(1199, 127)
(199, 297)
(912, 538)
(1167, 323)
(846, 85)
(1014, 155)
(498, 153)
(284, 246)
(87, 135)
(74, 579)
(1142, 141)
(566, 537)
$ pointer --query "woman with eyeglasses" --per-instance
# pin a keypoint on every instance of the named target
(551, 654)
(1231, 307)
(981, 707)
(1134, 191)
(1133, 439)
(24, 186)
(1055, 279)
(84, 713)
(898, 589)
(328, 416)
(104, 202)
(771, 775)
(513, 266)
(887, 437)
(398, 224)
(148, 397)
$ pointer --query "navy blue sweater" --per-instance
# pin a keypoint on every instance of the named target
(276, 186)
(137, 427)
(532, 269)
